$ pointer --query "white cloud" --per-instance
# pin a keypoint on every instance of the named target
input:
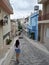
(22, 8)
(20, 14)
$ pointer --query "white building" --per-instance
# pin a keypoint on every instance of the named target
(14, 28)
(5, 26)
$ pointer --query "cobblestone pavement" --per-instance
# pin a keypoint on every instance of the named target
(30, 55)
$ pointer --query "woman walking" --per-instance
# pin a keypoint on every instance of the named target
(17, 49)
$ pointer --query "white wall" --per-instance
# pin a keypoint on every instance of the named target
(7, 27)
(1, 36)
(0, 13)
(1, 29)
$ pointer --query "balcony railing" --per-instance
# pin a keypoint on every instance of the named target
(43, 17)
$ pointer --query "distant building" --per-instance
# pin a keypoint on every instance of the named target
(5, 27)
(33, 26)
(14, 28)
(25, 24)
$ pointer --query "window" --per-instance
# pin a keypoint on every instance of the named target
(6, 19)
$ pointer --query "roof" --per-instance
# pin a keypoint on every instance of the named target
(6, 6)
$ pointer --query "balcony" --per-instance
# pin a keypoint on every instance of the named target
(5, 4)
(43, 17)
(42, 1)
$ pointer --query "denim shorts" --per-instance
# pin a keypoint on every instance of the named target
(17, 50)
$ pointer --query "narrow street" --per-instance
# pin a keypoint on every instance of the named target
(30, 55)
(26, 21)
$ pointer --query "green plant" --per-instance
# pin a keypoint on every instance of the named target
(8, 41)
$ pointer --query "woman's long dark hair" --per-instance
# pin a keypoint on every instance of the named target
(17, 43)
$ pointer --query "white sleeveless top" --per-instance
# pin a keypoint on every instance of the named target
(17, 47)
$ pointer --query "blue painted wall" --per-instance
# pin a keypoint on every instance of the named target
(33, 25)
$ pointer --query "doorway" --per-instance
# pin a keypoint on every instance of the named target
(33, 35)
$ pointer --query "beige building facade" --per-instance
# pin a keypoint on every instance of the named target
(14, 28)
(44, 23)
(5, 26)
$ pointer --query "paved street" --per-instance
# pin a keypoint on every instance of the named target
(30, 55)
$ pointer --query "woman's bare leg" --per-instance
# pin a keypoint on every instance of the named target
(17, 57)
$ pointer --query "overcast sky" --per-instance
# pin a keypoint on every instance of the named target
(22, 8)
